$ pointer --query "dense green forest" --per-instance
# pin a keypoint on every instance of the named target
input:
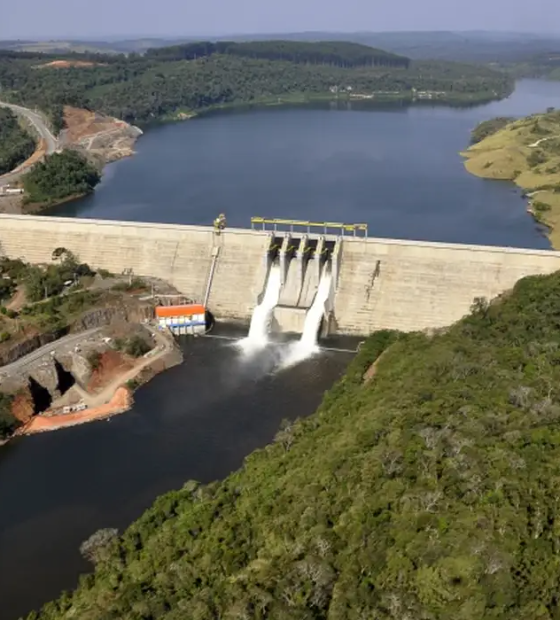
(16, 144)
(145, 88)
(429, 491)
(336, 53)
(59, 176)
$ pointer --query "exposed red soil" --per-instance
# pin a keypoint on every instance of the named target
(82, 123)
(111, 365)
(372, 370)
(121, 401)
(22, 406)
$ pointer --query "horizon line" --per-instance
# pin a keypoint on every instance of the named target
(108, 38)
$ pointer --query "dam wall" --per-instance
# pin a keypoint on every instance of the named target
(414, 285)
(382, 283)
(181, 255)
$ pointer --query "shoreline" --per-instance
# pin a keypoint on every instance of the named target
(121, 400)
(303, 99)
(527, 194)
(33, 208)
(524, 152)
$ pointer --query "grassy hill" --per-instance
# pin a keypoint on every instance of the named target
(526, 151)
(429, 490)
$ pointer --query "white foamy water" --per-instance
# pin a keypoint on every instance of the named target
(306, 346)
(262, 314)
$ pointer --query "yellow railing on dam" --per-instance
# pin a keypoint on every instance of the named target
(280, 224)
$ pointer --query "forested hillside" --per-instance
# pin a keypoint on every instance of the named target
(338, 53)
(545, 65)
(60, 176)
(194, 77)
(16, 144)
(429, 491)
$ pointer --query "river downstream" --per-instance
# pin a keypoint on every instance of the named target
(398, 169)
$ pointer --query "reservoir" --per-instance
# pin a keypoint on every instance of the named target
(396, 168)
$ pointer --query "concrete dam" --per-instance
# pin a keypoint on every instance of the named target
(375, 283)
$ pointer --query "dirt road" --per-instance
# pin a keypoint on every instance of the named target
(163, 347)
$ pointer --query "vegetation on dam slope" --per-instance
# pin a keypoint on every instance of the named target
(167, 82)
(429, 490)
(526, 151)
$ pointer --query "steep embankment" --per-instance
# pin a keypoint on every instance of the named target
(102, 137)
(527, 152)
(430, 491)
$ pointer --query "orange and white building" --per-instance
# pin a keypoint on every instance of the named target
(187, 319)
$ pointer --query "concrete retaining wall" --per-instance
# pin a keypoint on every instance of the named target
(288, 320)
(383, 283)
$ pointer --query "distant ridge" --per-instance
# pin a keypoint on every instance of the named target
(466, 46)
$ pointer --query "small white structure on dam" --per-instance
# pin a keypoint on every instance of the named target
(376, 283)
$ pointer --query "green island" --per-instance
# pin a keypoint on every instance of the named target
(437, 497)
(16, 143)
(183, 80)
(526, 151)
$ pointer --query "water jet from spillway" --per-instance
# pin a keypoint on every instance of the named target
(306, 346)
(262, 314)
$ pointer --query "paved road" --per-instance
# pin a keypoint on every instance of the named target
(38, 122)
(44, 132)
(34, 356)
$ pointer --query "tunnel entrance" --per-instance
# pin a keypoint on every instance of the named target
(327, 252)
(40, 396)
(65, 379)
(311, 248)
(274, 249)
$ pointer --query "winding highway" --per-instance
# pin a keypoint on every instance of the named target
(51, 143)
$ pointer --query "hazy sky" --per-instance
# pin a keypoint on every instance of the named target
(92, 18)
